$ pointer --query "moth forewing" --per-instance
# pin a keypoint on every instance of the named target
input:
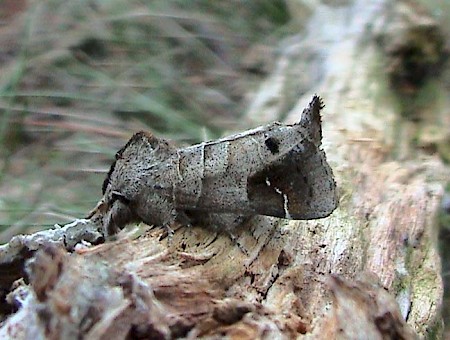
(220, 169)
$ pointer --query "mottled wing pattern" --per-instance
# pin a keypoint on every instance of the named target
(276, 170)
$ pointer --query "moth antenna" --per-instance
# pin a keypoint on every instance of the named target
(311, 119)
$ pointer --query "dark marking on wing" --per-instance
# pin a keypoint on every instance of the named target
(273, 145)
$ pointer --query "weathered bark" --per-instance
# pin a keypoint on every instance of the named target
(371, 270)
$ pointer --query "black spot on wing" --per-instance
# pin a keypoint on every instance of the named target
(273, 145)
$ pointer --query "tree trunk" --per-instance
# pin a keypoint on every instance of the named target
(369, 271)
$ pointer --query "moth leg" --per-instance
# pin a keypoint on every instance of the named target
(236, 242)
(160, 212)
(168, 232)
(178, 218)
(235, 221)
(220, 223)
(183, 219)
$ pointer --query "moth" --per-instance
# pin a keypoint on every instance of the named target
(276, 170)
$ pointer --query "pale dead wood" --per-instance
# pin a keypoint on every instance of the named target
(371, 270)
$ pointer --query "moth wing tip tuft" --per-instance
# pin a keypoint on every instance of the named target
(311, 118)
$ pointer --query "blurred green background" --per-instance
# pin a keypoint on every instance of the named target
(79, 77)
